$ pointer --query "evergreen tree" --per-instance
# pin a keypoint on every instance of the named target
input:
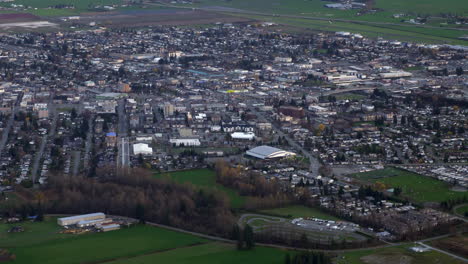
(249, 237)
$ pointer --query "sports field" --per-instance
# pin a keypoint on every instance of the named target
(416, 187)
(204, 178)
(398, 254)
(296, 211)
(40, 243)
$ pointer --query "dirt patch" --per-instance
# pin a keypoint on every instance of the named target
(387, 259)
(457, 245)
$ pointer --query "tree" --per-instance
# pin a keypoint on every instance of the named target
(397, 191)
(140, 213)
(248, 237)
(287, 259)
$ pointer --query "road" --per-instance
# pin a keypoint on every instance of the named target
(88, 143)
(314, 163)
(76, 162)
(45, 138)
(444, 252)
(9, 125)
(123, 156)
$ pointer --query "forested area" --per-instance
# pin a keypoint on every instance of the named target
(134, 194)
(262, 193)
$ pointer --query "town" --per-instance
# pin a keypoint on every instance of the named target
(370, 131)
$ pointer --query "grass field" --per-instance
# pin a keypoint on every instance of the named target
(296, 211)
(204, 178)
(462, 210)
(395, 29)
(40, 243)
(211, 253)
(398, 254)
(416, 187)
(350, 96)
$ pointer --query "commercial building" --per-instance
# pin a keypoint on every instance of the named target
(186, 142)
(267, 152)
(72, 220)
(243, 135)
(142, 148)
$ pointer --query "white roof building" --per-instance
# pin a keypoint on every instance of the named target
(267, 152)
(243, 135)
(142, 148)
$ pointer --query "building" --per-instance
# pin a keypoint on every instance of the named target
(142, 148)
(267, 152)
(106, 228)
(186, 142)
(72, 220)
(168, 109)
(243, 135)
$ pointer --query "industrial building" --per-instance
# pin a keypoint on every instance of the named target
(72, 220)
(142, 148)
(267, 152)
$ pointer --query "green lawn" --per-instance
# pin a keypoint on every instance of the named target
(350, 96)
(417, 187)
(40, 243)
(398, 254)
(34, 233)
(204, 178)
(31, 247)
(462, 210)
(296, 211)
(212, 253)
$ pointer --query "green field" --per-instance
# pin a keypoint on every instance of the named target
(416, 187)
(40, 243)
(296, 211)
(350, 96)
(211, 253)
(204, 178)
(398, 254)
(378, 24)
(462, 210)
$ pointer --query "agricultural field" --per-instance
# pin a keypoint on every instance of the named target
(296, 211)
(40, 243)
(414, 186)
(378, 24)
(204, 178)
(397, 254)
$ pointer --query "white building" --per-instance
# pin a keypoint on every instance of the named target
(186, 142)
(72, 220)
(142, 148)
(267, 152)
(243, 135)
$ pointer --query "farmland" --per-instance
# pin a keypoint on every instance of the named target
(206, 179)
(40, 243)
(296, 211)
(414, 186)
(304, 14)
(397, 254)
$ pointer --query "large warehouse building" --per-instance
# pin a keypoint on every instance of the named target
(267, 152)
(72, 220)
